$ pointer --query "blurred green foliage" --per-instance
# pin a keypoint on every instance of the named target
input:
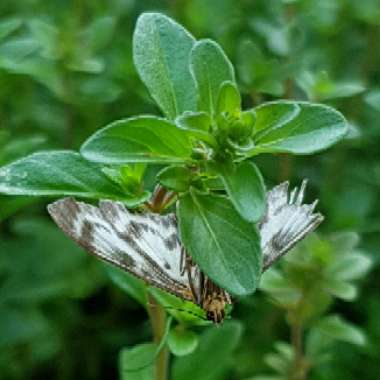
(66, 70)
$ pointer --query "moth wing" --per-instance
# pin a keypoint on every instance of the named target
(145, 245)
(286, 222)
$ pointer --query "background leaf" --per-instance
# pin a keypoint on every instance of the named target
(137, 363)
(8, 26)
(328, 330)
(215, 344)
(133, 286)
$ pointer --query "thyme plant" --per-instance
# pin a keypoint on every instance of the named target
(202, 151)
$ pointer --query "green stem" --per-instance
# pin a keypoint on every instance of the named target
(157, 316)
(157, 313)
(301, 365)
(296, 339)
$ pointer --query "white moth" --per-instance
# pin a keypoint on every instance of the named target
(148, 246)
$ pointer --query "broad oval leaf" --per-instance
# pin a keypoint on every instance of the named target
(161, 50)
(137, 363)
(350, 266)
(341, 289)
(336, 328)
(59, 173)
(210, 67)
(140, 139)
(311, 129)
(221, 242)
(182, 342)
(211, 358)
(245, 187)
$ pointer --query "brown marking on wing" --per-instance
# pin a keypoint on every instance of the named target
(67, 212)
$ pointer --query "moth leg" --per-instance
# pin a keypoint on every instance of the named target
(189, 268)
(182, 262)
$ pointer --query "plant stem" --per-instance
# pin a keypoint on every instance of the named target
(301, 365)
(296, 339)
(157, 316)
(157, 313)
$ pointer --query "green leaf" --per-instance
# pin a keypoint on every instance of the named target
(314, 128)
(184, 311)
(258, 71)
(99, 33)
(137, 363)
(282, 359)
(194, 121)
(14, 51)
(161, 49)
(139, 139)
(221, 242)
(139, 360)
(129, 177)
(229, 100)
(212, 357)
(210, 67)
(280, 289)
(341, 289)
(320, 86)
(334, 327)
(133, 286)
(245, 187)
(182, 342)
(197, 125)
(176, 178)
(58, 173)
(48, 36)
(372, 98)
(350, 267)
(8, 26)
(272, 116)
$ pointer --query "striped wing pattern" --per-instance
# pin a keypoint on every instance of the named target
(286, 222)
(145, 245)
(148, 246)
